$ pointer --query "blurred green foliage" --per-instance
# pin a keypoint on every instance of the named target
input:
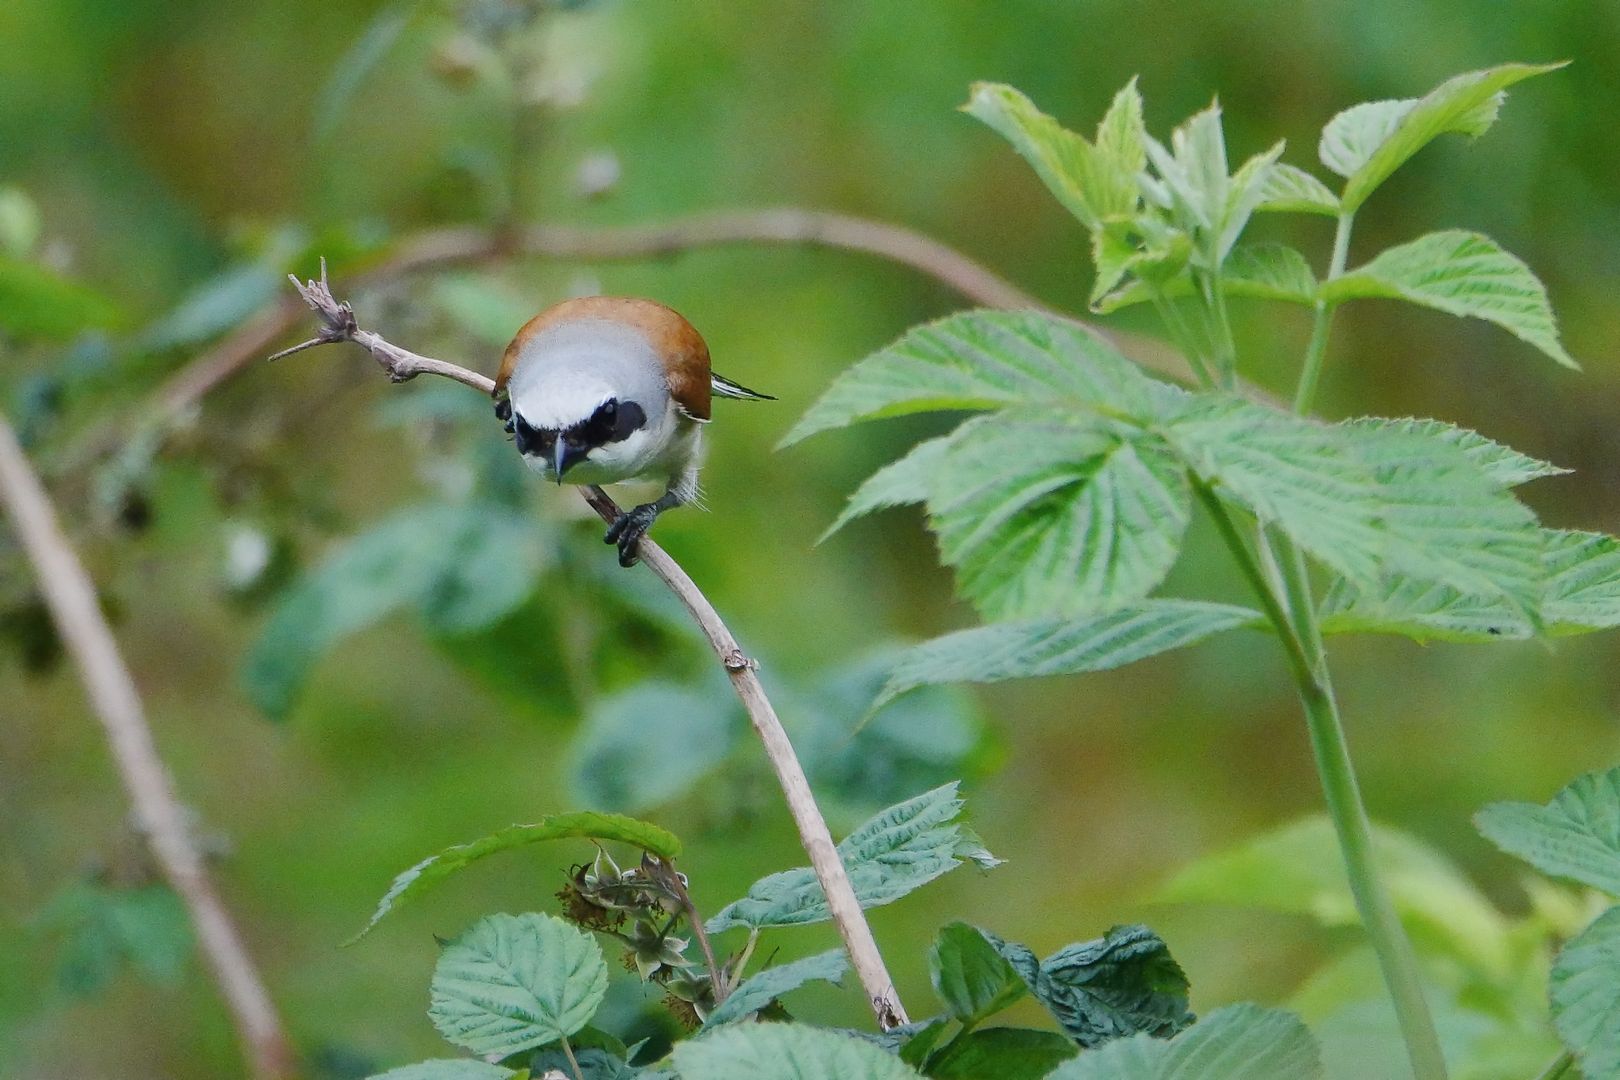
(161, 165)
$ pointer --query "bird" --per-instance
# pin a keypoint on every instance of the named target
(600, 389)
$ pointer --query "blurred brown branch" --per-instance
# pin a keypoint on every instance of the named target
(72, 601)
(337, 323)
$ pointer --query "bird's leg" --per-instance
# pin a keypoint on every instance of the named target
(632, 525)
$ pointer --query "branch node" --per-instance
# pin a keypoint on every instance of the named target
(736, 661)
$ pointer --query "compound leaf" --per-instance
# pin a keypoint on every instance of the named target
(768, 985)
(1575, 836)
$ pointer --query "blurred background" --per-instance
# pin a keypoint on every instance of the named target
(335, 704)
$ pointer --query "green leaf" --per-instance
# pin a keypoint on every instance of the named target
(103, 928)
(1464, 274)
(1585, 989)
(464, 566)
(1240, 1042)
(1044, 513)
(487, 306)
(970, 975)
(1297, 869)
(357, 62)
(897, 851)
(1122, 983)
(1367, 143)
(1094, 183)
(768, 985)
(594, 1064)
(1503, 464)
(1583, 581)
(1575, 836)
(215, 306)
(1063, 646)
(1257, 271)
(513, 982)
(39, 303)
(984, 360)
(1291, 190)
(1003, 1053)
(434, 869)
(899, 483)
(649, 744)
(447, 1069)
(785, 1052)
(1204, 200)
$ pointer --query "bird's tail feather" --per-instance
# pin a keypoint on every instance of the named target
(726, 388)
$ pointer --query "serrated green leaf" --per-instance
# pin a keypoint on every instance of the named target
(585, 824)
(594, 1064)
(1063, 646)
(786, 1052)
(1257, 271)
(1367, 143)
(1585, 990)
(983, 360)
(1044, 513)
(514, 982)
(38, 303)
(1092, 183)
(970, 975)
(899, 483)
(891, 854)
(1121, 137)
(1240, 1042)
(649, 744)
(1297, 869)
(1464, 274)
(1003, 1053)
(1575, 836)
(1503, 464)
(1120, 984)
(768, 985)
(1583, 581)
(447, 1069)
(1291, 190)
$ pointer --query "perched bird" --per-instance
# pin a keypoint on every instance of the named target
(607, 388)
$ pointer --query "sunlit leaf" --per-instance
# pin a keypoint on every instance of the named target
(1585, 988)
(649, 744)
(1464, 274)
(1063, 646)
(765, 987)
(890, 855)
(1575, 836)
(984, 360)
(1502, 464)
(970, 976)
(1367, 143)
(1240, 1042)
(513, 982)
(434, 869)
(1291, 190)
(786, 1052)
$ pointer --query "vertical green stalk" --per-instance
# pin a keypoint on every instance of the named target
(1311, 372)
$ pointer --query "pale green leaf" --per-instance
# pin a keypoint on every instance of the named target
(898, 483)
(447, 1069)
(1297, 869)
(786, 1052)
(984, 360)
(1585, 989)
(1043, 513)
(1120, 984)
(1063, 646)
(1244, 195)
(765, 987)
(1503, 464)
(1258, 271)
(1464, 274)
(899, 850)
(1583, 584)
(585, 824)
(1576, 836)
(1092, 183)
(970, 975)
(1291, 190)
(649, 744)
(514, 982)
(1240, 1042)
(1121, 137)
(1367, 143)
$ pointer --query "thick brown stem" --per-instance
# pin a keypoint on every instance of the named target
(71, 599)
(338, 324)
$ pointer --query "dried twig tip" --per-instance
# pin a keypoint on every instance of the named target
(336, 316)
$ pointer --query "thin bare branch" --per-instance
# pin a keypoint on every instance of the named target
(71, 599)
(400, 364)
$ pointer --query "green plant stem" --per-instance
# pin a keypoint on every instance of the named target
(1311, 372)
(1296, 629)
(1559, 1067)
(573, 1062)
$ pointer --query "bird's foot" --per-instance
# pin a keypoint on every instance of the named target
(628, 529)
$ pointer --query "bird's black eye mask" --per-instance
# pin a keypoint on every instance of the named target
(613, 421)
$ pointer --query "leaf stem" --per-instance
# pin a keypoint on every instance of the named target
(1558, 1067)
(573, 1062)
(1311, 372)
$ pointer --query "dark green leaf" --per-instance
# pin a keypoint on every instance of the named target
(1122, 983)
(650, 744)
(1004, 1054)
(970, 975)
(1240, 1042)
(513, 982)
(785, 1052)
(768, 985)
(1063, 646)
(447, 1069)
(594, 1064)
(1576, 836)
(434, 869)
(890, 855)
(1585, 990)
